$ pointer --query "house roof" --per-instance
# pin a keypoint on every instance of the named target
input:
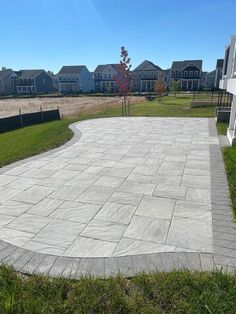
(219, 63)
(72, 69)
(147, 66)
(212, 73)
(179, 65)
(26, 74)
(101, 67)
(5, 73)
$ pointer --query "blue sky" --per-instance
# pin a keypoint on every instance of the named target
(51, 33)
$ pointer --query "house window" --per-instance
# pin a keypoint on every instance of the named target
(185, 73)
(196, 73)
(190, 73)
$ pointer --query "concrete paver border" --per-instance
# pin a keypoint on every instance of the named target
(224, 238)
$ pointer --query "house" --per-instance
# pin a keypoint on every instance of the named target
(5, 82)
(219, 72)
(188, 72)
(228, 83)
(145, 76)
(54, 80)
(104, 78)
(32, 82)
(75, 79)
(203, 79)
(210, 80)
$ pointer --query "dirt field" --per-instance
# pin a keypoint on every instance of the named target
(68, 105)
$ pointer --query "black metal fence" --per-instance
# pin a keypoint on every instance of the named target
(27, 119)
(224, 100)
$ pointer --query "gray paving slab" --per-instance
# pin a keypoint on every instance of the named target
(127, 196)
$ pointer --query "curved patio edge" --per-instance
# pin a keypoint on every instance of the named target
(34, 263)
(223, 257)
(76, 136)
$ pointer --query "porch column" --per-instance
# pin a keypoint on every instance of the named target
(232, 120)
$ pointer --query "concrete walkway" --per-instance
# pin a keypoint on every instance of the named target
(130, 194)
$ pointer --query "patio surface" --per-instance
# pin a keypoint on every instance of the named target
(125, 195)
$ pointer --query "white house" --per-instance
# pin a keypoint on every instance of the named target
(228, 83)
(74, 79)
(104, 77)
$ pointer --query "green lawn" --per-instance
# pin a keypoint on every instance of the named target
(175, 292)
(168, 106)
(229, 154)
(22, 143)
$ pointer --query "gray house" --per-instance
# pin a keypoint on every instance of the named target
(74, 79)
(188, 72)
(219, 72)
(32, 82)
(210, 80)
(145, 75)
(5, 82)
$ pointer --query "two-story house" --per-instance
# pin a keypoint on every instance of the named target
(5, 81)
(228, 83)
(75, 79)
(32, 82)
(188, 72)
(219, 72)
(210, 80)
(104, 78)
(145, 76)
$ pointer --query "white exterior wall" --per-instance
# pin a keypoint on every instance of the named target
(108, 73)
(69, 83)
(228, 82)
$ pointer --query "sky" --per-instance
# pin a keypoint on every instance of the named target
(48, 34)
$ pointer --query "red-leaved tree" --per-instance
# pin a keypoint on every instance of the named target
(123, 80)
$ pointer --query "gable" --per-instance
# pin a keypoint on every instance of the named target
(191, 67)
(147, 66)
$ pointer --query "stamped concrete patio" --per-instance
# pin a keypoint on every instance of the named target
(125, 195)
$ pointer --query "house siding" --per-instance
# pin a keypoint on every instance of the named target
(43, 83)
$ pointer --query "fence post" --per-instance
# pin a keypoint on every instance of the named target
(21, 119)
(41, 110)
(60, 115)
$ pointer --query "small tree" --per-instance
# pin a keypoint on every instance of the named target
(160, 87)
(176, 87)
(123, 80)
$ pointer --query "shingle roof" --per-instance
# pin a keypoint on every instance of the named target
(147, 66)
(101, 67)
(72, 69)
(26, 74)
(5, 73)
(179, 65)
(219, 63)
